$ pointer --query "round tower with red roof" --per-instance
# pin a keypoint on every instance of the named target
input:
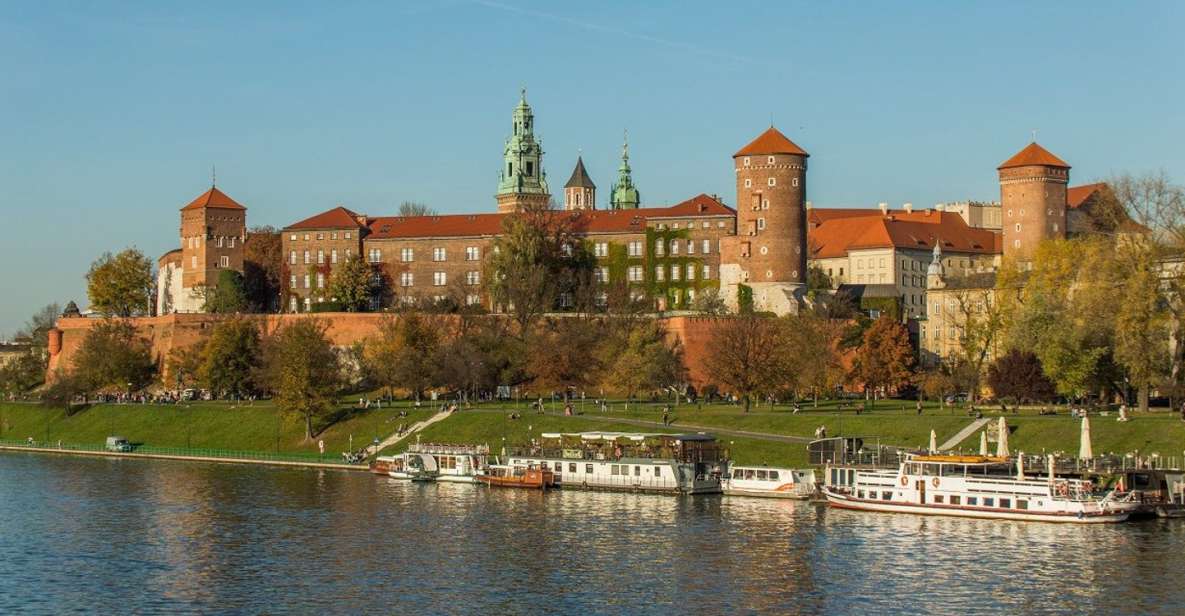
(1033, 200)
(768, 254)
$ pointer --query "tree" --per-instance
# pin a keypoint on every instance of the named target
(23, 372)
(228, 296)
(708, 301)
(263, 262)
(538, 262)
(120, 285)
(113, 355)
(230, 357)
(564, 354)
(935, 384)
(413, 208)
(644, 360)
(885, 358)
(352, 284)
(184, 366)
(745, 354)
(1017, 376)
(401, 355)
(813, 352)
(301, 370)
(817, 279)
(36, 329)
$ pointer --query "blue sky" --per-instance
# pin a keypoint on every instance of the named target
(113, 113)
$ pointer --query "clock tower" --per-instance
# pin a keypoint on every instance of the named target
(522, 180)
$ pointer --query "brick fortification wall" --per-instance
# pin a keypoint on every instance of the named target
(171, 331)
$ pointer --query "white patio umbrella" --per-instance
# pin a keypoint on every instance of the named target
(933, 441)
(1020, 466)
(1084, 449)
(1002, 439)
(983, 450)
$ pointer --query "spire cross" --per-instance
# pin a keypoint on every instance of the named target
(1034, 135)
(213, 176)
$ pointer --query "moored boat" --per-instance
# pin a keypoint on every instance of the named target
(972, 486)
(528, 476)
(769, 482)
(382, 465)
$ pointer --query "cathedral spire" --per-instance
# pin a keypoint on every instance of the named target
(522, 177)
(624, 195)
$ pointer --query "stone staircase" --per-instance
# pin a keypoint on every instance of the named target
(416, 427)
(962, 435)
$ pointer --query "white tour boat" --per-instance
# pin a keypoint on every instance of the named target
(972, 486)
(431, 462)
(769, 482)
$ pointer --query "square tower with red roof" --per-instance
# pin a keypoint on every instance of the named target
(213, 229)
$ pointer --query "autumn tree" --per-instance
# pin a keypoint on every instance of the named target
(1018, 377)
(813, 353)
(300, 368)
(23, 372)
(184, 366)
(227, 296)
(352, 284)
(262, 269)
(885, 358)
(120, 285)
(643, 360)
(113, 355)
(539, 263)
(231, 356)
(564, 354)
(413, 208)
(400, 356)
(745, 354)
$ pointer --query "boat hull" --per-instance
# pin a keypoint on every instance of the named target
(791, 494)
(844, 501)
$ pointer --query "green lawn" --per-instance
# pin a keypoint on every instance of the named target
(203, 425)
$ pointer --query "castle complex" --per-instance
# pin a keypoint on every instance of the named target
(755, 253)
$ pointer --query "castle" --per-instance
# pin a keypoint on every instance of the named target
(755, 254)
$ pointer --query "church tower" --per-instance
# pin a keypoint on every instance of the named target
(1033, 200)
(213, 229)
(522, 180)
(624, 195)
(768, 254)
(580, 193)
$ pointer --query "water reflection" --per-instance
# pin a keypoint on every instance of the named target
(81, 534)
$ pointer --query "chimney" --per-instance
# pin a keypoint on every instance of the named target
(884, 208)
(908, 208)
(809, 205)
(939, 207)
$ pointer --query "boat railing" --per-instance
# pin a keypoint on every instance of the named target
(435, 448)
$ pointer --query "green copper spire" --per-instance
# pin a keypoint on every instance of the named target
(522, 164)
(624, 195)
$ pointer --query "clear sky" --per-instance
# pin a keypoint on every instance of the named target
(111, 114)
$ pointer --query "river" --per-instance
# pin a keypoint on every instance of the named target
(98, 535)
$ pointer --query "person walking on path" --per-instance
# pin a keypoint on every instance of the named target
(919, 407)
(666, 415)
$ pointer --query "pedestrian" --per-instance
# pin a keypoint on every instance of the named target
(918, 405)
(666, 414)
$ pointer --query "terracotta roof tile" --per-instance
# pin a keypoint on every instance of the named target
(214, 198)
(772, 141)
(337, 218)
(1033, 154)
(1078, 195)
(835, 237)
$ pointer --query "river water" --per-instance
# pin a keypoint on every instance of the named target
(97, 535)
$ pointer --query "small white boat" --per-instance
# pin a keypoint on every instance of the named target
(448, 463)
(769, 482)
(972, 486)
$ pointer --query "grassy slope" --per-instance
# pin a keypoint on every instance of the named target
(203, 425)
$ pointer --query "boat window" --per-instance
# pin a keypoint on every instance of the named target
(972, 500)
(1005, 503)
(938, 498)
(859, 493)
(571, 467)
(773, 475)
(658, 471)
(738, 473)
(851, 476)
(835, 476)
(989, 501)
(955, 499)
(637, 471)
(1022, 504)
(588, 469)
(761, 475)
(749, 474)
(886, 496)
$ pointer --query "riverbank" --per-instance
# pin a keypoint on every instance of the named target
(229, 457)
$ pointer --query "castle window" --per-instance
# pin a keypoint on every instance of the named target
(292, 281)
(760, 224)
(1055, 227)
(472, 278)
(307, 278)
(1022, 213)
(746, 161)
(232, 241)
(334, 235)
(347, 235)
(1010, 213)
(635, 249)
(690, 247)
(720, 224)
(706, 246)
(635, 273)
(674, 272)
(472, 253)
(307, 257)
(320, 280)
(770, 160)
(660, 273)
(690, 272)
(220, 238)
(306, 237)
(308, 304)
(406, 279)
(794, 182)
(707, 272)
(748, 183)
(660, 248)
(472, 299)
(510, 166)
(291, 238)
(1018, 227)
(439, 254)
(193, 262)
(292, 258)
(320, 257)
(333, 256)
(765, 204)
(530, 168)
(439, 279)
(773, 181)
(565, 300)
(320, 236)
(706, 225)
(224, 261)
(601, 249)
(674, 247)
(376, 255)
(764, 250)
(407, 255)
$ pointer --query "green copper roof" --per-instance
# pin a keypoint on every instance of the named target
(522, 157)
(624, 195)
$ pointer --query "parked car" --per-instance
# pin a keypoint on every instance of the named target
(118, 444)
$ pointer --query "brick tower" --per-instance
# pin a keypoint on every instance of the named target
(522, 180)
(1033, 200)
(213, 228)
(768, 254)
(580, 193)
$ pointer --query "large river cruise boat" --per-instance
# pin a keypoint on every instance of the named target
(671, 463)
(972, 486)
(432, 462)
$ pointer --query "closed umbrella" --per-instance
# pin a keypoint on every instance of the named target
(1020, 466)
(1002, 439)
(983, 450)
(1084, 449)
(933, 441)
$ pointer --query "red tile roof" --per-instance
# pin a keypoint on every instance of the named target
(818, 216)
(586, 221)
(772, 141)
(337, 218)
(214, 198)
(1033, 154)
(919, 231)
(1078, 195)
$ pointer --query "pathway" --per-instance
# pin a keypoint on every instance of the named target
(963, 434)
(416, 427)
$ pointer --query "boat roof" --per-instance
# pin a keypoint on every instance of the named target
(765, 468)
(957, 459)
(633, 436)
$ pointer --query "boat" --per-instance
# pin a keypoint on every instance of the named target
(633, 462)
(769, 482)
(382, 465)
(433, 462)
(528, 476)
(972, 486)
(414, 467)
